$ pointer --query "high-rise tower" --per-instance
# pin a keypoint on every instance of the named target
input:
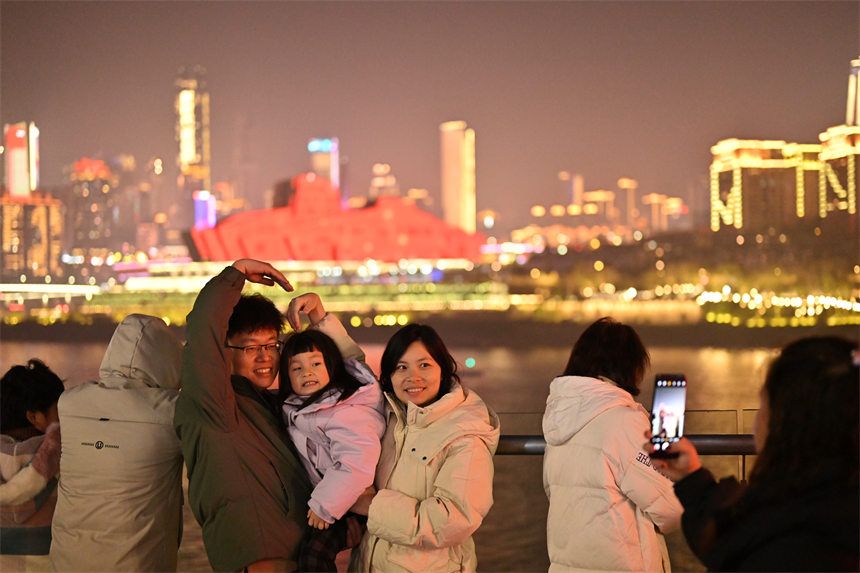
(458, 175)
(192, 130)
(852, 107)
(325, 159)
(22, 158)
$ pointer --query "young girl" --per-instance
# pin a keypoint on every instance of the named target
(435, 475)
(29, 462)
(333, 411)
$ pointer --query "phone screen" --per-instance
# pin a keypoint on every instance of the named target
(667, 413)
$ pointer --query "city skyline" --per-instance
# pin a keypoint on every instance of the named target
(603, 90)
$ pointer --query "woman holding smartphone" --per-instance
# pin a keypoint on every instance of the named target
(801, 510)
(608, 506)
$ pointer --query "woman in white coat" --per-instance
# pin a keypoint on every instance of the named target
(608, 506)
(435, 474)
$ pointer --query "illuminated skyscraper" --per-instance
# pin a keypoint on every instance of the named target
(852, 107)
(192, 130)
(94, 225)
(458, 175)
(325, 159)
(766, 184)
(22, 158)
(756, 185)
(840, 153)
(32, 235)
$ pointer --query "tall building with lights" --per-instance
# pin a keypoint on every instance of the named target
(759, 185)
(458, 175)
(852, 106)
(21, 158)
(192, 132)
(325, 159)
(756, 185)
(94, 225)
(32, 235)
(840, 151)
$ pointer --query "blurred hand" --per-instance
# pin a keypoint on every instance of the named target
(309, 304)
(262, 273)
(362, 504)
(316, 521)
(676, 468)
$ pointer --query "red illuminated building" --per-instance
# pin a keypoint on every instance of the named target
(314, 226)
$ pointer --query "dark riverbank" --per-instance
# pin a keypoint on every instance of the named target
(487, 329)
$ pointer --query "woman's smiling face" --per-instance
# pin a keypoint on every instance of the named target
(416, 377)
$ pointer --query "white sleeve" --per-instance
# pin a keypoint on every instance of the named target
(651, 491)
(23, 486)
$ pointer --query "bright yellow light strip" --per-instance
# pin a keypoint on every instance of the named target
(9, 288)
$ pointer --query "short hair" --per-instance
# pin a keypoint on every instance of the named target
(610, 349)
(308, 341)
(254, 312)
(27, 388)
(813, 400)
(402, 340)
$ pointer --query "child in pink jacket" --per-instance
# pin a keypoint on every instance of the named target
(333, 410)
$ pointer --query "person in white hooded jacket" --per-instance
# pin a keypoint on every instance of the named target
(119, 506)
(608, 506)
(435, 473)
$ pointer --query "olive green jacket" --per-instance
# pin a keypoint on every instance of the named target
(246, 485)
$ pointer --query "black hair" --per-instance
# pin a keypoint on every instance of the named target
(308, 341)
(27, 388)
(402, 340)
(612, 350)
(254, 312)
(813, 400)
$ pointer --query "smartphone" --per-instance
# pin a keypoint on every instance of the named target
(667, 413)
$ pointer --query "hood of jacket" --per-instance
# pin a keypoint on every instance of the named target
(465, 413)
(576, 400)
(143, 352)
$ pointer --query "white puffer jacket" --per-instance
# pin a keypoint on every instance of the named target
(435, 482)
(606, 501)
(120, 497)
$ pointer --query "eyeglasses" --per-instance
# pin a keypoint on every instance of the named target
(254, 349)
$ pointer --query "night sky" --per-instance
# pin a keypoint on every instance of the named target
(604, 89)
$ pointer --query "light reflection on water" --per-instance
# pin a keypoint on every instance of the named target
(516, 380)
(511, 380)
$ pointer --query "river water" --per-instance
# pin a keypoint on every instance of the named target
(722, 392)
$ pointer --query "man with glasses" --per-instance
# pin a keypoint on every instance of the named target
(246, 486)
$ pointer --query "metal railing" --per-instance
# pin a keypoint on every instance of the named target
(706, 444)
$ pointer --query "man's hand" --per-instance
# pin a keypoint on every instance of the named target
(262, 273)
(316, 521)
(309, 304)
